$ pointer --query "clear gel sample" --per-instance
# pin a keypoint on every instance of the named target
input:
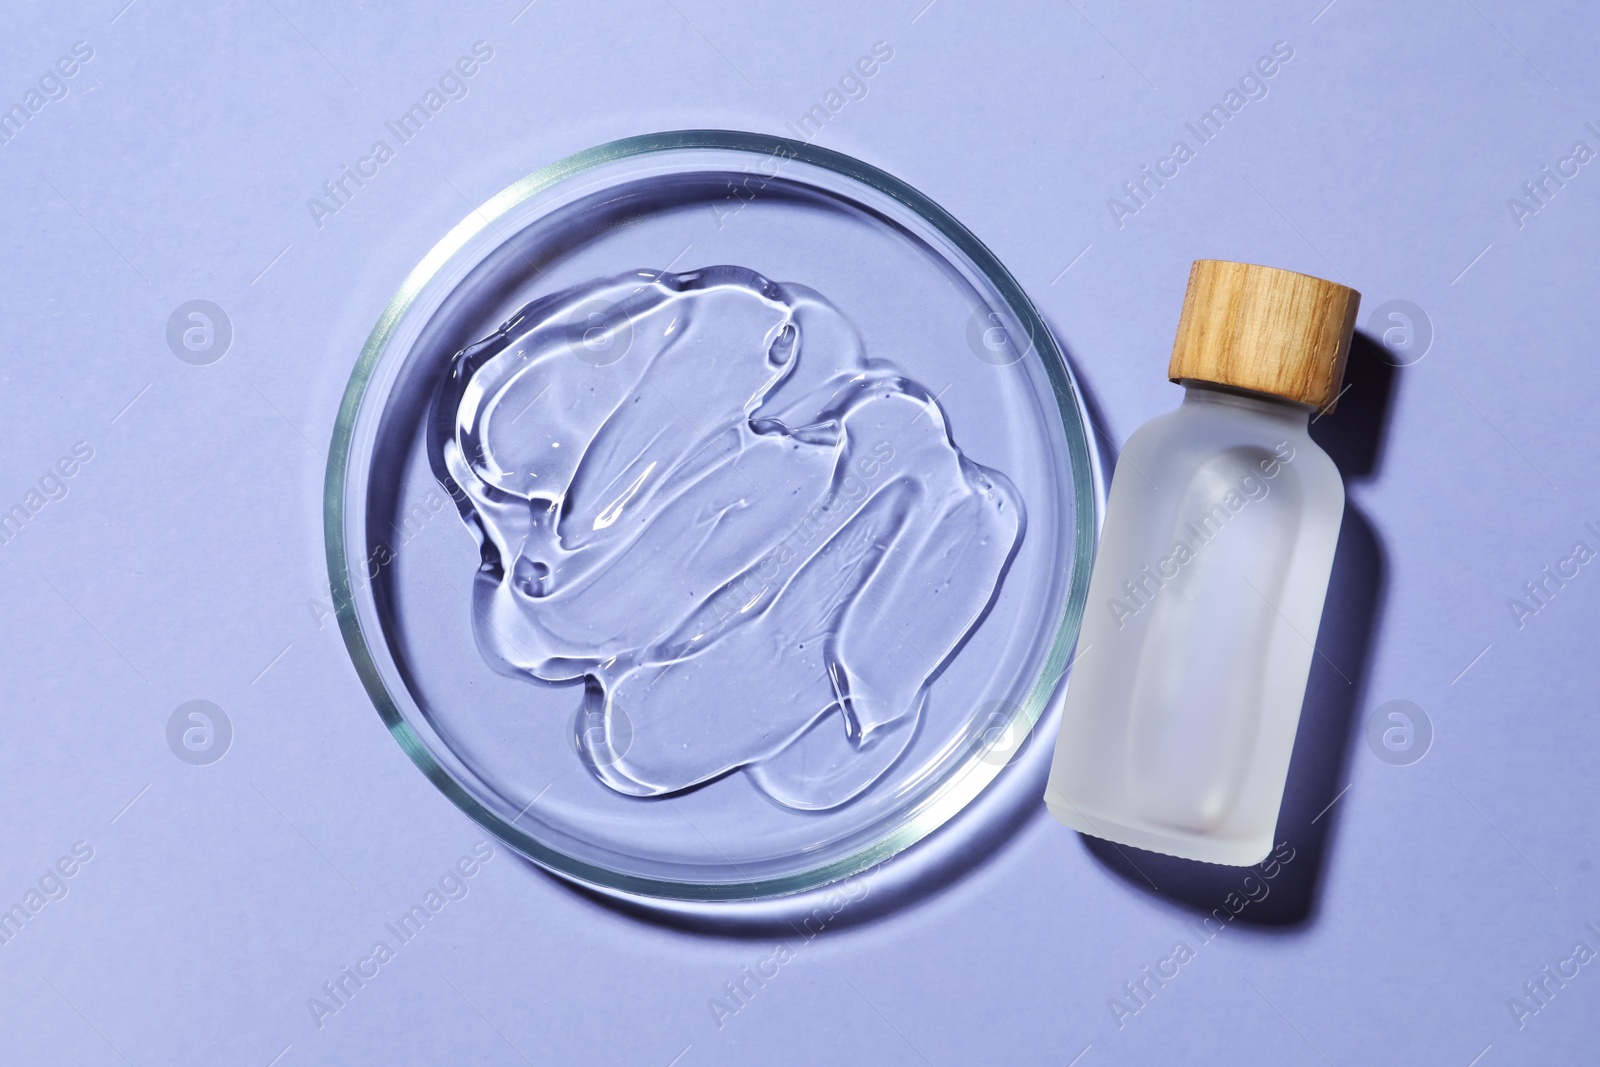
(753, 543)
(1205, 598)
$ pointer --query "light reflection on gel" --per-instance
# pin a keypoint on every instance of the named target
(754, 545)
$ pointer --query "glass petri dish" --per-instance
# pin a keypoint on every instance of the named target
(800, 402)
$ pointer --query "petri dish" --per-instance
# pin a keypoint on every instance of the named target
(810, 567)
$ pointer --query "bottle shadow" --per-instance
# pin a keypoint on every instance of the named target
(1283, 893)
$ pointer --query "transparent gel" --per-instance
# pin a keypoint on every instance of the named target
(752, 543)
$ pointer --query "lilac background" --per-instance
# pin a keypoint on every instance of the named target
(186, 558)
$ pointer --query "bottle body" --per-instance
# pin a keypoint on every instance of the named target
(1197, 640)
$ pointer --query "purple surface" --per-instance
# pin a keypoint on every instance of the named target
(184, 560)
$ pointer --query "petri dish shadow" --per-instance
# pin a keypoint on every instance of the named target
(898, 884)
(1105, 449)
(1353, 435)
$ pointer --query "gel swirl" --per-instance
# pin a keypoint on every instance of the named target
(754, 545)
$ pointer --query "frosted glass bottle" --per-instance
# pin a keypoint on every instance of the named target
(1207, 590)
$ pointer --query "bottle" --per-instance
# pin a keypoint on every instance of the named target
(1207, 590)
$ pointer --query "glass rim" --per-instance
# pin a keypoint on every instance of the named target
(962, 784)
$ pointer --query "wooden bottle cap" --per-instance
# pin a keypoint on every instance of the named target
(1264, 329)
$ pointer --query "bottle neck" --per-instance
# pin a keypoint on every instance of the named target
(1262, 405)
